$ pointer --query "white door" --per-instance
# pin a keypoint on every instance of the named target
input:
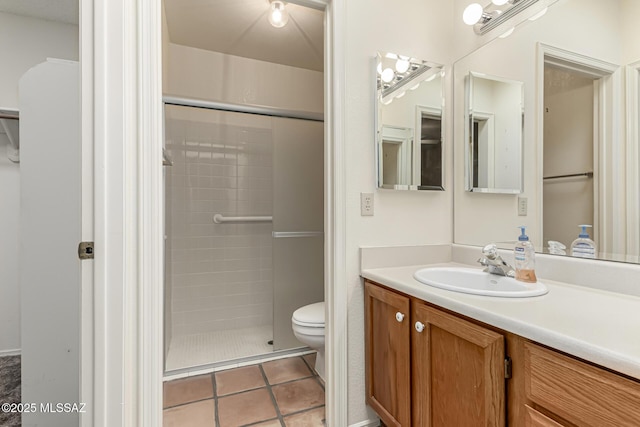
(50, 173)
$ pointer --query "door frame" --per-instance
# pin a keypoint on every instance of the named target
(121, 60)
(609, 178)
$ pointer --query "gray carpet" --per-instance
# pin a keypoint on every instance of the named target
(9, 389)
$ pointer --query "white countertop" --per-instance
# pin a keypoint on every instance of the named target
(599, 326)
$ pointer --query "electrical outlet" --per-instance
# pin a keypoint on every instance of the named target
(366, 204)
(522, 206)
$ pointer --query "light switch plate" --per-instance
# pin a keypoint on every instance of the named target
(366, 204)
(522, 206)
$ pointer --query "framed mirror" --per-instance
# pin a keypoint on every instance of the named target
(409, 123)
(581, 142)
(494, 119)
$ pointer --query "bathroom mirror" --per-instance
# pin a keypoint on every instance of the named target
(493, 119)
(409, 123)
(555, 55)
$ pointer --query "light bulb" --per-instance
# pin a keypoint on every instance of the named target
(387, 75)
(472, 14)
(278, 16)
(499, 2)
(402, 65)
(379, 68)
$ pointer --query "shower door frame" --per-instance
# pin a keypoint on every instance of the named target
(121, 60)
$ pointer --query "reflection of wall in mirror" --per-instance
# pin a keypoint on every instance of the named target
(502, 101)
(401, 111)
(600, 33)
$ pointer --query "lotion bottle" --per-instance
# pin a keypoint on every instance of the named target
(524, 255)
(583, 246)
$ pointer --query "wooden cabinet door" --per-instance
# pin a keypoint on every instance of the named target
(457, 371)
(387, 355)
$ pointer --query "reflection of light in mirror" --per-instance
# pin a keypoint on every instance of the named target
(387, 75)
(539, 14)
(507, 33)
(401, 94)
(472, 14)
(391, 56)
(499, 2)
(431, 77)
(414, 87)
(387, 101)
(402, 65)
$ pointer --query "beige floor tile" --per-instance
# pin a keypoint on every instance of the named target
(187, 390)
(272, 423)
(312, 418)
(245, 408)
(298, 395)
(311, 360)
(239, 379)
(198, 414)
(281, 370)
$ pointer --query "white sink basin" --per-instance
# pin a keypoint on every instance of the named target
(477, 282)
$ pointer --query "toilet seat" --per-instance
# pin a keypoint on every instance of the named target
(309, 316)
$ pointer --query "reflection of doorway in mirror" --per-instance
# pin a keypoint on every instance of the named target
(396, 153)
(483, 150)
(568, 154)
(427, 161)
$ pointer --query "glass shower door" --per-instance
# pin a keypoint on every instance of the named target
(298, 222)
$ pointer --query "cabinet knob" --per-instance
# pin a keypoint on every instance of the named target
(419, 326)
(399, 317)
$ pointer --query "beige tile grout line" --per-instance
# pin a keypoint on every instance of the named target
(268, 386)
(273, 397)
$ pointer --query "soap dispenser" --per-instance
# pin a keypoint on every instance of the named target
(583, 246)
(524, 255)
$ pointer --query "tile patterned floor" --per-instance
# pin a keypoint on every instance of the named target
(280, 393)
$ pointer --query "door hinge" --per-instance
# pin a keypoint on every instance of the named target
(507, 367)
(85, 250)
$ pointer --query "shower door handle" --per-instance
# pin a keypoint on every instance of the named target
(286, 234)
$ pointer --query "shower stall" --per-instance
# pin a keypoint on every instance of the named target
(244, 215)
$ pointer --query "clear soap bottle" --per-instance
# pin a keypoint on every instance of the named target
(583, 246)
(524, 255)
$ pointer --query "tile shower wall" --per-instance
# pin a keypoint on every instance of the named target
(220, 273)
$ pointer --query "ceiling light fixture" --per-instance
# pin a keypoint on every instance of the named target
(485, 19)
(278, 15)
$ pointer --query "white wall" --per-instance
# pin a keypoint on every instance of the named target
(24, 42)
(203, 74)
(421, 29)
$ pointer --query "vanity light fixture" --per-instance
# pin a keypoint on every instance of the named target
(507, 33)
(539, 14)
(485, 19)
(278, 15)
(402, 65)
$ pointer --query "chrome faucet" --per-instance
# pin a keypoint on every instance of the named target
(494, 263)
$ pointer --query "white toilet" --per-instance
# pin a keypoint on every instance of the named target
(308, 327)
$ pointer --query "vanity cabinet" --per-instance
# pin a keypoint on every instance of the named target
(576, 393)
(429, 367)
(388, 347)
(457, 371)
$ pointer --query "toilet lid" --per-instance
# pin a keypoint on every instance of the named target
(311, 315)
